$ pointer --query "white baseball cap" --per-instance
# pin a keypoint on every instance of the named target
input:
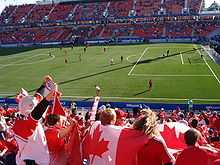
(27, 104)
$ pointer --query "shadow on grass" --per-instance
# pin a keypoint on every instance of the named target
(141, 92)
(11, 51)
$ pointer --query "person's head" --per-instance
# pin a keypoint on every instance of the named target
(191, 136)
(214, 113)
(181, 116)
(108, 117)
(27, 104)
(120, 117)
(194, 123)
(53, 119)
(146, 122)
(87, 116)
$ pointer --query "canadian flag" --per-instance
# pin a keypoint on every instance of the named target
(57, 107)
(112, 145)
(73, 151)
(173, 135)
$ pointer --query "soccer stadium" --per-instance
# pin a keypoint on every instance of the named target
(110, 82)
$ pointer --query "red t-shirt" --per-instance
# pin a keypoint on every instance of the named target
(11, 145)
(192, 155)
(2, 146)
(55, 144)
(154, 153)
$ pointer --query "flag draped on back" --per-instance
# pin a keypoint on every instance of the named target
(73, 148)
(112, 145)
(173, 135)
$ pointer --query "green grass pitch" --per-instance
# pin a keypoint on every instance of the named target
(181, 75)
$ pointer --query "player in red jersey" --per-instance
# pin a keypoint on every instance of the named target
(150, 85)
(192, 154)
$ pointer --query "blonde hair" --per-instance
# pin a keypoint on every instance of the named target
(108, 116)
(147, 122)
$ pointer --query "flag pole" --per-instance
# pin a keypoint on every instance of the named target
(54, 101)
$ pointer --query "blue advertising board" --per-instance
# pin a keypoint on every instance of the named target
(129, 105)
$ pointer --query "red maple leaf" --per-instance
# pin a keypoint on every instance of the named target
(94, 145)
(171, 139)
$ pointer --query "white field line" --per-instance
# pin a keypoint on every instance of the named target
(130, 98)
(137, 61)
(25, 55)
(211, 71)
(133, 98)
(216, 77)
(169, 75)
(181, 56)
(28, 63)
(204, 48)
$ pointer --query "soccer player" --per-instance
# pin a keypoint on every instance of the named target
(168, 52)
(104, 49)
(65, 57)
(111, 61)
(80, 57)
(84, 49)
(192, 154)
(122, 59)
(150, 84)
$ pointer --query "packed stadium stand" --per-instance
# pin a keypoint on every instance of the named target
(146, 19)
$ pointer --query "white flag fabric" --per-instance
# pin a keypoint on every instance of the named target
(94, 108)
(113, 145)
(31, 142)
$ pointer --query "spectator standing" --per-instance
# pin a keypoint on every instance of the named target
(154, 152)
(192, 154)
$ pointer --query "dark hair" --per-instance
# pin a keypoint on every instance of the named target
(87, 116)
(52, 119)
(206, 121)
(194, 123)
(181, 115)
(191, 136)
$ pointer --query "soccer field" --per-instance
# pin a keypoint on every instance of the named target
(182, 75)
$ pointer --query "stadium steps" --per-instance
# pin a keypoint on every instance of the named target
(28, 14)
(59, 35)
(12, 13)
(69, 36)
(74, 9)
(106, 9)
(52, 10)
(164, 31)
(101, 33)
